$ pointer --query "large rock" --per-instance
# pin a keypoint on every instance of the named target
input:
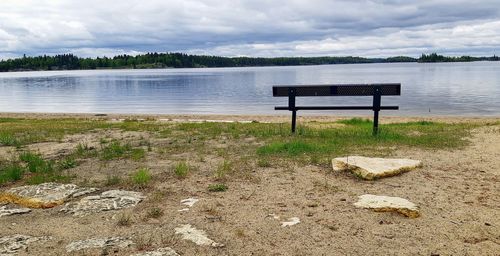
(10, 245)
(369, 168)
(6, 210)
(196, 236)
(46, 195)
(116, 242)
(107, 201)
(388, 204)
(167, 251)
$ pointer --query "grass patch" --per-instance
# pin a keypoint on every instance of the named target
(291, 148)
(222, 170)
(217, 187)
(11, 172)
(124, 220)
(181, 169)
(154, 213)
(137, 154)
(114, 150)
(263, 162)
(68, 163)
(35, 163)
(141, 178)
(112, 180)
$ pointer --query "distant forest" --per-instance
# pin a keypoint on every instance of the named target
(180, 60)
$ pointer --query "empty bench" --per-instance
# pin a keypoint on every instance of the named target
(375, 90)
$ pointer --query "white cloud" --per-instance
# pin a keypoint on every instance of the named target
(246, 27)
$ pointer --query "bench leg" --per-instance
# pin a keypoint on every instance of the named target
(375, 122)
(294, 120)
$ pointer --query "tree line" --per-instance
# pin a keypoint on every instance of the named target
(181, 60)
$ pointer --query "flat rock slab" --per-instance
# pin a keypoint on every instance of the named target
(6, 210)
(116, 242)
(10, 245)
(46, 195)
(388, 204)
(370, 168)
(167, 251)
(196, 236)
(107, 201)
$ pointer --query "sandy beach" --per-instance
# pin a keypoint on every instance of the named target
(456, 189)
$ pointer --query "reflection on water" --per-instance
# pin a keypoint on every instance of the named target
(427, 89)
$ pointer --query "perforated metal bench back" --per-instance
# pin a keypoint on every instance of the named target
(337, 90)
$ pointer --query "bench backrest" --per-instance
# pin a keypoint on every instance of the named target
(336, 90)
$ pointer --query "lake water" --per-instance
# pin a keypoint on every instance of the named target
(462, 89)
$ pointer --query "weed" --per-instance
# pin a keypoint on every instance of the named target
(263, 162)
(155, 213)
(67, 163)
(181, 169)
(222, 170)
(141, 178)
(83, 150)
(112, 180)
(142, 243)
(217, 187)
(124, 220)
(137, 154)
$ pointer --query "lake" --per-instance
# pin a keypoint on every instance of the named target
(460, 89)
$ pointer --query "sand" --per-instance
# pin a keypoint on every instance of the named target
(457, 191)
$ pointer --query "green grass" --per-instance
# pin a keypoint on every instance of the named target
(37, 169)
(35, 163)
(314, 143)
(217, 187)
(67, 163)
(11, 172)
(114, 150)
(137, 154)
(181, 169)
(112, 180)
(223, 169)
(141, 178)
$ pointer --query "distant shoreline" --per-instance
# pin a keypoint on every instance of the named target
(180, 60)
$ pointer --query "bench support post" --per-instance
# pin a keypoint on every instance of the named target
(291, 106)
(377, 93)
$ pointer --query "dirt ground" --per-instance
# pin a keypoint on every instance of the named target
(458, 193)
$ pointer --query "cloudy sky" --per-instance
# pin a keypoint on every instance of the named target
(375, 28)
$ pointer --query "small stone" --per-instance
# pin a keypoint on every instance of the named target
(114, 242)
(291, 221)
(373, 168)
(196, 236)
(45, 195)
(107, 201)
(6, 211)
(10, 245)
(189, 202)
(388, 204)
(167, 251)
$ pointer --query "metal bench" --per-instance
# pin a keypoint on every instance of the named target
(375, 90)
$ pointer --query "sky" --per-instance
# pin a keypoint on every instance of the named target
(376, 28)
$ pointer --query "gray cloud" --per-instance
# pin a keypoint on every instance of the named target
(253, 28)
